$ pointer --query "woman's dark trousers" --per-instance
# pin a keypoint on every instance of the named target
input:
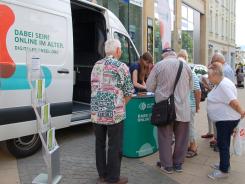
(224, 132)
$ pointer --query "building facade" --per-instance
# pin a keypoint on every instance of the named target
(189, 28)
(202, 27)
(221, 29)
(130, 13)
(192, 21)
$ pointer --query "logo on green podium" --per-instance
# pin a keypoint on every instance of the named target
(142, 106)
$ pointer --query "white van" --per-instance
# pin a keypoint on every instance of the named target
(68, 36)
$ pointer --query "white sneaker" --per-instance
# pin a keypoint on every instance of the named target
(216, 166)
(217, 174)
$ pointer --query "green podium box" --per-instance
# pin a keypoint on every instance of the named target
(139, 136)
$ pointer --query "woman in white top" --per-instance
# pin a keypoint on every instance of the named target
(224, 109)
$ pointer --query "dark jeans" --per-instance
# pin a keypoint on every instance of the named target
(224, 132)
(109, 168)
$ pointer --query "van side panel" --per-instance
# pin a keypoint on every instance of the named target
(42, 29)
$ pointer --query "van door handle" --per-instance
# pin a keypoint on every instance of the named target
(63, 71)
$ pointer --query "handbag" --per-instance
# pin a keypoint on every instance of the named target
(204, 92)
(163, 112)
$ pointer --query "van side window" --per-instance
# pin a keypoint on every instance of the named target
(125, 47)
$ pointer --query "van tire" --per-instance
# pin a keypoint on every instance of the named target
(24, 146)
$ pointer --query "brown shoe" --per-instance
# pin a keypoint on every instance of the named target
(101, 180)
(122, 180)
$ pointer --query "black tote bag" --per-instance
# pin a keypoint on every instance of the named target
(163, 112)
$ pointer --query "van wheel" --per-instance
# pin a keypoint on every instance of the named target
(24, 146)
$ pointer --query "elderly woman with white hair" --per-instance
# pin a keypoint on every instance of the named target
(224, 109)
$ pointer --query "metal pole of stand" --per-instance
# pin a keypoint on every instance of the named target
(51, 157)
(52, 161)
(53, 165)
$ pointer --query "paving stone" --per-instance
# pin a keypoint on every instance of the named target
(77, 162)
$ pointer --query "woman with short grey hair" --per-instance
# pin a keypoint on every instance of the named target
(224, 109)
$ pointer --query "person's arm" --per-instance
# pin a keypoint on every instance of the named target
(237, 107)
(151, 81)
(205, 84)
(127, 85)
(197, 94)
(197, 91)
(135, 81)
(127, 98)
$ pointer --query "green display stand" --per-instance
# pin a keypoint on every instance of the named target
(140, 136)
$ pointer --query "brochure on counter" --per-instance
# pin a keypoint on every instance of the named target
(143, 94)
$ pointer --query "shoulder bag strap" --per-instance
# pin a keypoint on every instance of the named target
(178, 74)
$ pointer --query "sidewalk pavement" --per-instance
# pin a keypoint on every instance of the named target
(78, 164)
(8, 169)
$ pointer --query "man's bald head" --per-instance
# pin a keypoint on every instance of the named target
(218, 57)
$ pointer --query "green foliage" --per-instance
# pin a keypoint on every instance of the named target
(187, 44)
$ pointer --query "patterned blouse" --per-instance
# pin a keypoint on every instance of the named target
(110, 83)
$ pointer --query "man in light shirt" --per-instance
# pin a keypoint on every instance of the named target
(161, 82)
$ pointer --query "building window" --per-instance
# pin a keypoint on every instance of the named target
(222, 27)
(135, 25)
(184, 12)
(211, 22)
(187, 18)
(227, 30)
(216, 24)
(187, 28)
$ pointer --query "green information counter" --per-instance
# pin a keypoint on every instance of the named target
(140, 136)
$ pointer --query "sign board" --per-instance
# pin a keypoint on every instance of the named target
(164, 15)
(137, 2)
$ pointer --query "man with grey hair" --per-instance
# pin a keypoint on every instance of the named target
(161, 82)
(167, 52)
(111, 89)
